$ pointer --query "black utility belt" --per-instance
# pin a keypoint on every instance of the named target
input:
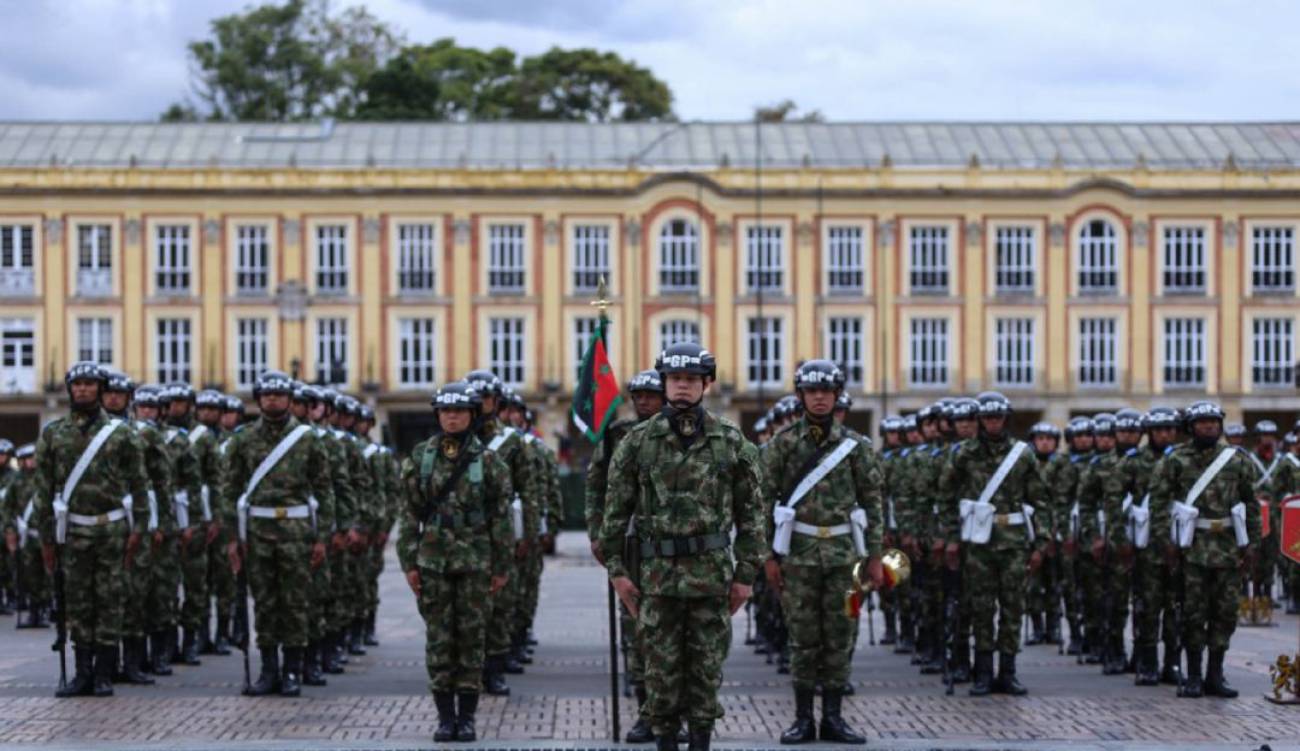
(457, 520)
(678, 547)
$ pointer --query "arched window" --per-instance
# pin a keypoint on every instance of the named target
(679, 256)
(1098, 258)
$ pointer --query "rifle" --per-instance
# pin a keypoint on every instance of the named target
(1180, 597)
(749, 621)
(951, 612)
(871, 625)
(60, 618)
(243, 635)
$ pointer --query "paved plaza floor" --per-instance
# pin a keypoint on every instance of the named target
(382, 702)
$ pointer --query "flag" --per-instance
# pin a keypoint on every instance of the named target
(1290, 532)
(598, 394)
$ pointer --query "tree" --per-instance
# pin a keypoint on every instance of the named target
(784, 111)
(588, 85)
(441, 81)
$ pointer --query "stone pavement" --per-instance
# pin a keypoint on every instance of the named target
(562, 702)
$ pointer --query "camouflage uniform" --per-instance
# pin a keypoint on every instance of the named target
(1105, 583)
(181, 563)
(328, 620)
(8, 564)
(1062, 477)
(18, 510)
(203, 512)
(1286, 482)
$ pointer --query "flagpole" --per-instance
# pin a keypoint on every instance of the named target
(601, 304)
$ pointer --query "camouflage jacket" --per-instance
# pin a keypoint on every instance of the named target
(922, 512)
(17, 489)
(854, 483)
(116, 471)
(1131, 477)
(598, 476)
(1175, 475)
(1064, 474)
(361, 483)
(970, 470)
(1092, 498)
(158, 468)
(185, 472)
(889, 463)
(907, 504)
(548, 468)
(1285, 482)
(471, 530)
(1047, 469)
(523, 478)
(301, 474)
(372, 459)
(203, 444)
(676, 492)
(338, 517)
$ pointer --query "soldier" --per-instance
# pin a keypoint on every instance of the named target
(962, 417)
(203, 429)
(23, 538)
(386, 474)
(276, 478)
(1203, 491)
(1064, 476)
(352, 593)
(1285, 483)
(232, 415)
(825, 489)
(1093, 559)
(911, 617)
(86, 465)
(514, 414)
(1044, 604)
(647, 391)
(998, 522)
(894, 601)
(8, 598)
(1266, 459)
(1234, 433)
(687, 478)
(1118, 551)
(926, 463)
(151, 582)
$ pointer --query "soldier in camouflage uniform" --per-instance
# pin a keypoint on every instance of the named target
(1063, 481)
(824, 486)
(1285, 483)
(1043, 605)
(351, 590)
(276, 473)
(1094, 557)
(1016, 535)
(1212, 560)
(83, 511)
(205, 437)
(1267, 459)
(1234, 434)
(8, 598)
(911, 616)
(685, 478)
(513, 414)
(185, 560)
(150, 585)
(386, 472)
(1118, 550)
(23, 538)
(894, 602)
(925, 464)
(456, 547)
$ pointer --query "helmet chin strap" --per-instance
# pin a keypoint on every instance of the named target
(1202, 441)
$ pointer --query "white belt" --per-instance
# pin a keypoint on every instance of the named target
(1009, 520)
(280, 512)
(1215, 525)
(99, 520)
(812, 530)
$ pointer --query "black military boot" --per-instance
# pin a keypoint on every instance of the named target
(190, 648)
(1147, 674)
(1192, 687)
(804, 729)
(291, 674)
(105, 662)
(666, 742)
(268, 681)
(355, 645)
(510, 665)
(1171, 674)
(445, 701)
(833, 727)
(1093, 647)
(961, 662)
(1053, 630)
(221, 646)
(312, 674)
(494, 681)
(1216, 683)
(698, 740)
(519, 648)
(35, 618)
(466, 708)
(1075, 646)
(160, 650)
(641, 731)
(370, 640)
(983, 685)
(342, 645)
(83, 680)
(933, 664)
(132, 657)
(1035, 630)
(891, 629)
(1293, 604)
(329, 655)
(1006, 682)
(905, 644)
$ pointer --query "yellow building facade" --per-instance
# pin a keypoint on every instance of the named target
(1072, 284)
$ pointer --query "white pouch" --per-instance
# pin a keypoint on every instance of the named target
(1074, 520)
(892, 521)
(241, 513)
(517, 517)
(1028, 511)
(182, 506)
(976, 521)
(128, 503)
(60, 520)
(858, 526)
(1184, 526)
(1101, 522)
(783, 516)
(312, 505)
(153, 511)
(1139, 524)
(205, 495)
(1239, 525)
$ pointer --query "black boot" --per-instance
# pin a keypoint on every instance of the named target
(119, 675)
(1036, 630)
(342, 645)
(83, 681)
(905, 644)
(221, 646)
(190, 648)
(510, 665)
(160, 651)
(891, 629)
(1006, 682)
(312, 674)
(1216, 683)
(1147, 672)
(698, 740)
(1092, 647)
(804, 729)
(369, 640)
(1192, 686)
(961, 662)
(355, 646)
(1171, 674)
(291, 675)
(666, 742)
(494, 681)
(466, 708)
(983, 685)
(833, 727)
(1053, 630)
(783, 661)
(641, 731)
(1293, 604)
(132, 657)
(1075, 647)
(330, 655)
(520, 650)
(933, 664)
(445, 701)
(105, 662)
(268, 681)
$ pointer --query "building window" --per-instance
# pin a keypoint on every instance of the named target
(844, 344)
(506, 259)
(1098, 258)
(252, 260)
(844, 262)
(764, 251)
(1272, 361)
(17, 355)
(506, 350)
(173, 344)
(929, 260)
(17, 272)
(1184, 365)
(332, 351)
(172, 259)
(1097, 352)
(251, 351)
(95, 340)
(765, 347)
(1184, 256)
(94, 260)
(677, 330)
(1013, 363)
(416, 340)
(679, 257)
(1272, 259)
(590, 256)
(416, 256)
(929, 347)
(332, 259)
(1016, 251)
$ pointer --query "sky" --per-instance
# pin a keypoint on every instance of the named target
(848, 59)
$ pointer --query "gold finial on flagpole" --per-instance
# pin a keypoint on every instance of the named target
(601, 303)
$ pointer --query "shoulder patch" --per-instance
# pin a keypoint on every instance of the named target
(1096, 458)
(1132, 451)
(903, 454)
(1169, 449)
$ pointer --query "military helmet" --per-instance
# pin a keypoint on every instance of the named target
(1266, 427)
(6, 446)
(530, 417)
(26, 450)
(1079, 426)
(272, 382)
(347, 405)
(1203, 410)
(928, 412)
(148, 395)
(329, 397)
(115, 381)
(513, 398)
(760, 425)
(177, 391)
(1290, 439)
(1234, 430)
(646, 380)
(366, 413)
(911, 424)
(1161, 417)
(1103, 423)
(1128, 419)
(308, 394)
(485, 382)
(844, 401)
(85, 370)
(457, 395)
(1045, 429)
(689, 358)
(964, 408)
(891, 424)
(818, 374)
(788, 406)
(993, 404)
(209, 398)
(234, 404)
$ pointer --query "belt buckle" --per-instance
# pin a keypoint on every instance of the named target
(1216, 525)
(1002, 520)
(101, 519)
(281, 512)
(823, 533)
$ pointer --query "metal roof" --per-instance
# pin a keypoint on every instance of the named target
(650, 146)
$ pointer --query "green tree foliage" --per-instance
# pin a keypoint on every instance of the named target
(785, 111)
(585, 84)
(442, 81)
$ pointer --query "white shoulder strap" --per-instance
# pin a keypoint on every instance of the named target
(1004, 469)
(370, 450)
(87, 457)
(1292, 458)
(1209, 474)
(197, 433)
(823, 468)
(274, 457)
(499, 440)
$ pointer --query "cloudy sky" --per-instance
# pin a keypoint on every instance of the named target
(851, 59)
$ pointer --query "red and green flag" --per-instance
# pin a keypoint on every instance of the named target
(598, 394)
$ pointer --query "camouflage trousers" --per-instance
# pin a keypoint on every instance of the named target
(221, 579)
(630, 642)
(1092, 577)
(321, 600)
(1068, 570)
(33, 579)
(164, 583)
(1261, 576)
(194, 577)
(279, 576)
(529, 591)
(995, 580)
(455, 609)
(1117, 589)
(1042, 595)
(821, 633)
(501, 625)
(1153, 600)
(1209, 606)
(139, 619)
(685, 642)
(930, 596)
(375, 556)
(94, 583)
(342, 583)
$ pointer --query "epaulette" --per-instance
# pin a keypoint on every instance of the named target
(937, 451)
(902, 454)
(953, 448)
(1076, 458)
(887, 454)
(1169, 449)
(1095, 458)
(1132, 451)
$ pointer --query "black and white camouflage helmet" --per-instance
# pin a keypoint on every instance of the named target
(1234, 430)
(1103, 423)
(25, 451)
(788, 406)
(689, 358)
(272, 382)
(366, 413)
(1161, 417)
(1045, 429)
(760, 425)
(1128, 419)
(928, 412)
(843, 402)
(646, 380)
(177, 392)
(1266, 427)
(148, 395)
(234, 404)
(964, 408)
(485, 382)
(6, 446)
(115, 381)
(911, 424)
(1203, 410)
(818, 374)
(347, 405)
(329, 397)
(457, 395)
(891, 424)
(993, 404)
(1079, 426)
(1289, 440)
(209, 398)
(84, 371)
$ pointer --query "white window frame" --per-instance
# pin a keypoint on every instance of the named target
(1184, 259)
(1015, 259)
(675, 330)
(765, 351)
(17, 259)
(417, 257)
(331, 247)
(1097, 264)
(1098, 352)
(331, 346)
(679, 254)
(765, 258)
(1014, 353)
(844, 346)
(929, 252)
(252, 350)
(18, 355)
(508, 349)
(1184, 362)
(929, 345)
(95, 339)
(1272, 259)
(507, 272)
(417, 352)
(590, 243)
(174, 349)
(845, 259)
(173, 271)
(1272, 352)
(252, 260)
(94, 265)
(582, 328)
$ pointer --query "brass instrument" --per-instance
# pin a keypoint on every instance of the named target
(897, 569)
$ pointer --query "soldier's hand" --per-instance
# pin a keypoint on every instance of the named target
(232, 554)
(413, 580)
(1098, 549)
(1071, 548)
(952, 555)
(186, 536)
(47, 555)
(214, 529)
(132, 545)
(356, 542)
(381, 540)
(521, 550)
(772, 570)
(1171, 557)
(11, 540)
(498, 582)
(936, 551)
(597, 552)
(889, 540)
(739, 596)
(909, 547)
(1125, 554)
(629, 594)
(158, 538)
(1035, 561)
(317, 555)
(1246, 559)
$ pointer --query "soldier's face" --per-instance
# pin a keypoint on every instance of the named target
(208, 415)
(363, 427)
(299, 409)
(685, 389)
(993, 424)
(316, 411)
(454, 420)
(1105, 441)
(1267, 445)
(1128, 437)
(1044, 444)
(1082, 442)
(1207, 429)
(914, 437)
(515, 416)
(489, 404)
(85, 392)
(27, 464)
(146, 412)
(1234, 440)
(930, 429)
(647, 403)
(818, 402)
(229, 420)
(1162, 437)
(116, 401)
(966, 428)
(892, 439)
(274, 406)
(178, 408)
